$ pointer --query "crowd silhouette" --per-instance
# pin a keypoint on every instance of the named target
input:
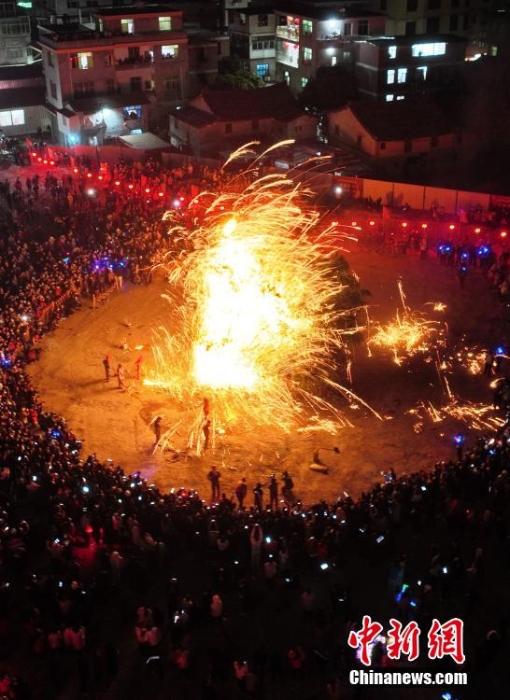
(94, 560)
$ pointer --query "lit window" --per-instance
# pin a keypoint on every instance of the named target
(85, 61)
(304, 81)
(262, 69)
(171, 51)
(390, 77)
(392, 51)
(172, 84)
(165, 24)
(307, 26)
(307, 55)
(436, 49)
(402, 75)
(333, 60)
(127, 26)
(14, 117)
(401, 97)
(421, 73)
(390, 98)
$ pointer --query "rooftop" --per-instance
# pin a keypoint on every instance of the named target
(133, 10)
(323, 11)
(193, 116)
(416, 39)
(411, 118)
(241, 105)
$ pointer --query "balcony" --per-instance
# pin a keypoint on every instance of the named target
(75, 39)
(287, 59)
(291, 33)
(130, 63)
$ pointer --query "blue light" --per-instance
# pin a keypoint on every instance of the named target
(458, 439)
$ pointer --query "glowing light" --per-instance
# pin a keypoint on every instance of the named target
(424, 226)
(409, 333)
(89, 174)
(404, 224)
(478, 230)
(117, 183)
(372, 223)
(451, 227)
(503, 234)
(259, 309)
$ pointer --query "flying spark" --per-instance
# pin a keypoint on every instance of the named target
(258, 319)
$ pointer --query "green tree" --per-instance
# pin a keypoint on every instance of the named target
(330, 88)
(233, 76)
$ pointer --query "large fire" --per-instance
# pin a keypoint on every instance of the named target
(259, 325)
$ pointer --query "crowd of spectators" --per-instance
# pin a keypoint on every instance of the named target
(80, 538)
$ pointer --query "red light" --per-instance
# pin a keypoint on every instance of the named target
(52, 162)
(147, 190)
(117, 183)
(372, 223)
(100, 177)
(39, 160)
(160, 194)
(451, 227)
(354, 223)
(34, 155)
(503, 234)
(182, 199)
(75, 170)
(89, 174)
(45, 162)
(404, 224)
(334, 223)
(478, 230)
(131, 186)
(424, 226)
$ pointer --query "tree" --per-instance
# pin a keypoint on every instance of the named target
(233, 76)
(331, 88)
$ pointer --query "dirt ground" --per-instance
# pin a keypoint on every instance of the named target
(116, 425)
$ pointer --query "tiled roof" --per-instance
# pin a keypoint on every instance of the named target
(193, 116)
(411, 118)
(260, 103)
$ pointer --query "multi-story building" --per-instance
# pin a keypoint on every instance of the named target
(253, 40)
(392, 68)
(15, 36)
(97, 79)
(309, 36)
(466, 18)
(205, 50)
